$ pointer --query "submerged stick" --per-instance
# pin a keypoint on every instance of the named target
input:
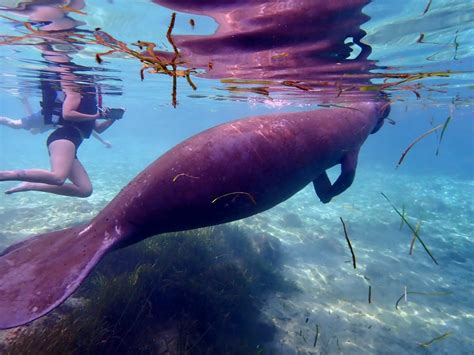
(427, 7)
(438, 338)
(456, 46)
(349, 243)
(411, 227)
(370, 294)
(316, 336)
(405, 293)
(170, 39)
(405, 152)
(442, 133)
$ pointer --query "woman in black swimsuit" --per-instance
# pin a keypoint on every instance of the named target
(77, 115)
(78, 121)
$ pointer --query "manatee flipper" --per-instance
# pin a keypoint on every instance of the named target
(38, 274)
(322, 184)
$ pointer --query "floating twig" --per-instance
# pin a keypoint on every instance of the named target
(339, 106)
(442, 132)
(412, 244)
(438, 338)
(295, 84)
(257, 90)
(251, 198)
(170, 39)
(316, 336)
(184, 174)
(402, 157)
(411, 227)
(370, 294)
(427, 7)
(456, 46)
(348, 243)
(404, 295)
(150, 60)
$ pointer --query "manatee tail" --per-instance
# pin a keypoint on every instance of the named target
(39, 274)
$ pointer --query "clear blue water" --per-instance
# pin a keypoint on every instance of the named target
(436, 190)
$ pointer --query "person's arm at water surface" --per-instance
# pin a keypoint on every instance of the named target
(322, 184)
(26, 104)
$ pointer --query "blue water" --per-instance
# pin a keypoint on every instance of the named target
(435, 190)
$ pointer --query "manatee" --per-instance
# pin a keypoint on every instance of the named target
(228, 172)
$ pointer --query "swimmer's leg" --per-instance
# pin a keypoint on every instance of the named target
(80, 187)
(62, 155)
(322, 184)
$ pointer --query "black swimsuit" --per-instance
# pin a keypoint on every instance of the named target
(69, 133)
(75, 132)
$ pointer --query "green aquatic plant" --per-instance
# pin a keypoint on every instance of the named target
(316, 336)
(404, 295)
(403, 217)
(415, 232)
(183, 293)
(427, 7)
(438, 338)
(349, 243)
(411, 145)
(445, 125)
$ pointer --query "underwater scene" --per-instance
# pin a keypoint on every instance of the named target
(236, 177)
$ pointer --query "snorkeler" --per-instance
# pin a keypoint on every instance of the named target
(77, 120)
(35, 122)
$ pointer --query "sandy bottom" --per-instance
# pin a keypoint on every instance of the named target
(333, 298)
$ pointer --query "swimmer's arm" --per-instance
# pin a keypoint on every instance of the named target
(11, 122)
(102, 126)
(26, 104)
(71, 104)
(101, 140)
(322, 184)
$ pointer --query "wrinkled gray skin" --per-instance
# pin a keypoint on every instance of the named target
(226, 173)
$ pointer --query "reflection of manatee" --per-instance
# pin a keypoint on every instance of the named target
(228, 172)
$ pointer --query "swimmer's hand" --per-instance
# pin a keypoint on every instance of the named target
(111, 113)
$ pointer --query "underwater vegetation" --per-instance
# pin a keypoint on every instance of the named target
(413, 229)
(197, 292)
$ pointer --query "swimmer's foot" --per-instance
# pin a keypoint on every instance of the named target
(24, 186)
